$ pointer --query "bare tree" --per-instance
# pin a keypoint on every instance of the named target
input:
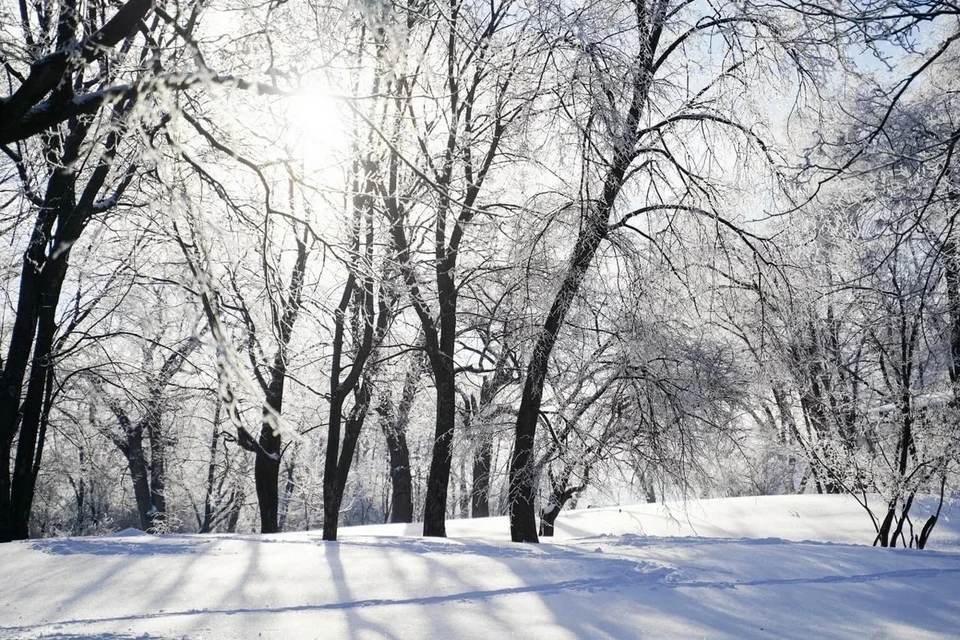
(394, 419)
(632, 133)
(87, 161)
(148, 464)
(431, 193)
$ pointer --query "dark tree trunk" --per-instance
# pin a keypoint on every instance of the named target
(35, 326)
(952, 276)
(394, 424)
(158, 470)
(401, 482)
(38, 283)
(435, 504)
(440, 351)
(236, 503)
(289, 487)
(650, 493)
(401, 493)
(206, 523)
(139, 476)
(30, 439)
(351, 435)
(523, 475)
(331, 505)
(266, 474)
(340, 471)
(560, 494)
(266, 467)
(523, 525)
(480, 491)
(80, 494)
(549, 515)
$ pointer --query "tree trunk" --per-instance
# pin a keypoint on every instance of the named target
(266, 474)
(401, 482)
(236, 503)
(523, 525)
(288, 488)
(435, 507)
(480, 491)
(335, 476)
(951, 267)
(15, 515)
(549, 516)
(206, 524)
(158, 469)
(266, 466)
(140, 478)
(331, 506)
(33, 282)
(394, 424)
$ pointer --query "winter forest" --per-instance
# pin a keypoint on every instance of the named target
(304, 264)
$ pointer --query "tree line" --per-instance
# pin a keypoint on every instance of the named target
(501, 256)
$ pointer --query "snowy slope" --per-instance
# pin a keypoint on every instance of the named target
(799, 518)
(635, 572)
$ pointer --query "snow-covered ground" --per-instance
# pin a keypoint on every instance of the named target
(774, 567)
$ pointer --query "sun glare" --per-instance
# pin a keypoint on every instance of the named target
(317, 127)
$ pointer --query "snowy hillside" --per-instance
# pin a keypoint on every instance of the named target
(735, 568)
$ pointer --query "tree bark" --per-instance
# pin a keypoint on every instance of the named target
(205, 525)
(480, 491)
(435, 505)
(38, 283)
(266, 474)
(394, 423)
(401, 493)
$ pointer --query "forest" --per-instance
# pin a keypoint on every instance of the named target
(278, 265)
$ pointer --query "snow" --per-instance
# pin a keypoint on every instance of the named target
(774, 567)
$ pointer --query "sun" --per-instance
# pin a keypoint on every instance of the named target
(317, 127)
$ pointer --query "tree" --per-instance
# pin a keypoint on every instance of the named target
(87, 161)
(863, 322)
(455, 123)
(638, 99)
(372, 315)
(394, 419)
(271, 376)
(490, 336)
(148, 465)
(636, 388)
